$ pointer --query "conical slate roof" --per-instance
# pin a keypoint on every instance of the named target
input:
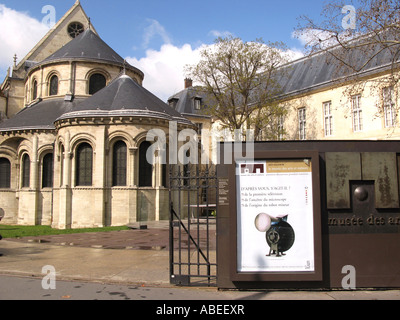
(40, 115)
(125, 97)
(88, 46)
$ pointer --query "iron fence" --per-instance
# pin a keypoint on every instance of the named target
(193, 197)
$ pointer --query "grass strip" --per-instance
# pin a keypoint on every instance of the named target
(11, 231)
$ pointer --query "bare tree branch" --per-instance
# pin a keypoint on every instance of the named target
(238, 77)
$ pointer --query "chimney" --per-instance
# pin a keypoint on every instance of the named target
(188, 83)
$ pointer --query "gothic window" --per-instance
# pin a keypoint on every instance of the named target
(26, 171)
(34, 89)
(47, 174)
(75, 29)
(145, 168)
(119, 163)
(53, 86)
(164, 178)
(164, 169)
(84, 165)
(5, 173)
(97, 82)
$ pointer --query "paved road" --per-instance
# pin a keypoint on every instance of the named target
(27, 288)
(122, 266)
(35, 288)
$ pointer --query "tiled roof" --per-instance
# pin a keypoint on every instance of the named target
(125, 97)
(88, 46)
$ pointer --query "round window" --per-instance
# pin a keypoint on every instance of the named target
(75, 29)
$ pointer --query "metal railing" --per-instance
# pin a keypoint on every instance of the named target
(193, 197)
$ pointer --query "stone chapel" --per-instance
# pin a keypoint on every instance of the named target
(73, 134)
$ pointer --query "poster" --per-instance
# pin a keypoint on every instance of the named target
(275, 216)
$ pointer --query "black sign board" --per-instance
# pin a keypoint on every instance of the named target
(352, 189)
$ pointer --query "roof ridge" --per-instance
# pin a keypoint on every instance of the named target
(87, 45)
(53, 29)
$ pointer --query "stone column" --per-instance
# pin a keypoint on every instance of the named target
(65, 194)
(99, 178)
(67, 161)
(34, 197)
(133, 193)
(35, 164)
(27, 197)
(132, 167)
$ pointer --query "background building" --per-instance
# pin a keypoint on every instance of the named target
(325, 103)
(324, 99)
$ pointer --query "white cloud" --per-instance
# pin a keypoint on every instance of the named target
(322, 39)
(312, 37)
(19, 35)
(164, 69)
(222, 34)
(294, 54)
(154, 29)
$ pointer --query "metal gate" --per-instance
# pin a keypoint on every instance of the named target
(193, 191)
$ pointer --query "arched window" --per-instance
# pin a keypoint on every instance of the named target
(164, 177)
(84, 165)
(5, 173)
(26, 171)
(145, 168)
(34, 89)
(119, 164)
(47, 174)
(96, 82)
(53, 86)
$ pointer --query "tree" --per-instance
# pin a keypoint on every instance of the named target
(356, 37)
(362, 43)
(240, 80)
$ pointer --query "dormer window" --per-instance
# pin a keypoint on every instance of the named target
(197, 103)
(173, 102)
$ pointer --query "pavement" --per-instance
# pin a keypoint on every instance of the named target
(129, 257)
(136, 256)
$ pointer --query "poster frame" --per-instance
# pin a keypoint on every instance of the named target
(317, 273)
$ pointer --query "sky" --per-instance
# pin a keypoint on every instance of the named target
(159, 37)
